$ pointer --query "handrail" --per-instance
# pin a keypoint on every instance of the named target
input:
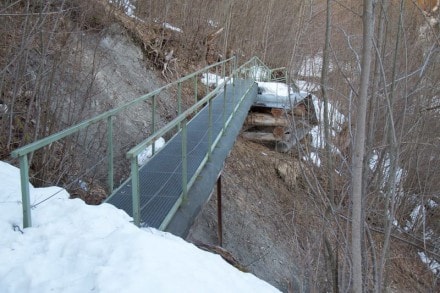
(182, 118)
(22, 152)
(59, 135)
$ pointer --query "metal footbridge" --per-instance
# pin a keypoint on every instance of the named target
(168, 191)
(168, 178)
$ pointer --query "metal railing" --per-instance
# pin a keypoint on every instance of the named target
(252, 69)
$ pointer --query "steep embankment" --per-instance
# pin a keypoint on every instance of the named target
(260, 212)
(274, 224)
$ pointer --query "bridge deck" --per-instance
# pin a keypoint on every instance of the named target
(161, 177)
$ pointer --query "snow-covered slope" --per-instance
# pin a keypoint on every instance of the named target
(73, 247)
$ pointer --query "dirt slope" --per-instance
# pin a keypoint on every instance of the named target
(259, 215)
(275, 228)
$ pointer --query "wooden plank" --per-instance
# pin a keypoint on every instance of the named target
(259, 136)
(263, 119)
(276, 112)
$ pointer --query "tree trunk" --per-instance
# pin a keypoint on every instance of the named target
(372, 124)
(359, 146)
(324, 84)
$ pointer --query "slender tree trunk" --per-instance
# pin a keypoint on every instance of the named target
(332, 260)
(380, 52)
(324, 84)
(359, 146)
(393, 155)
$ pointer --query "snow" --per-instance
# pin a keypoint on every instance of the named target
(307, 86)
(314, 158)
(336, 118)
(212, 23)
(274, 88)
(128, 7)
(171, 27)
(148, 152)
(433, 265)
(74, 247)
(372, 163)
(211, 79)
(311, 66)
(258, 73)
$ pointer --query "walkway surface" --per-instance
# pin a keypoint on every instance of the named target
(161, 177)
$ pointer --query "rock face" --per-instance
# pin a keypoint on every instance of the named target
(117, 73)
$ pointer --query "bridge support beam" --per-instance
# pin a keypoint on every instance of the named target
(219, 211)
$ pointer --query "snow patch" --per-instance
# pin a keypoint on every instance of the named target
(274, 88)
(433, 265)
(211, 79)
(307, 86)
(212, 23)
(313, 157)
(171, 27)
(74, 247)
(146, 154)
(126, 5)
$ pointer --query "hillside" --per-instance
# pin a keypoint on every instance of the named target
(273, 223)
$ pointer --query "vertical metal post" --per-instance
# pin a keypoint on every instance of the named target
(234, 70)
(254, 69)
(135, 191)
(25, 195)
(184, 161)
(110, 178)
(153, 123)
(195, 89)
(207, 82)
(179, 100)
(219, 211)
(216, 76)
(233, 81)
(209, 129)
(224, 109)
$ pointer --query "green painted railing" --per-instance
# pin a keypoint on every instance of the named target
(254, 69)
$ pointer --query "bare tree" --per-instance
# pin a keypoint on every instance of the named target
(359, 146)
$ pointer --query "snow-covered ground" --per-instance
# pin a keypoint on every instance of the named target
(146, 154)
(74, 247)
(275, 88)
(126, 5)
(211, 79)
(129, 8)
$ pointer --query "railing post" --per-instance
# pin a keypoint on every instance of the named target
(153, 124)
(207, 82)
(25, 195)
(110, 178)
(255, 69)
(184, 161)
(209, 129)
(195, 89)
(219, 211)
(234, 70)
(224, 109)
(179, 100)
(135, 191)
